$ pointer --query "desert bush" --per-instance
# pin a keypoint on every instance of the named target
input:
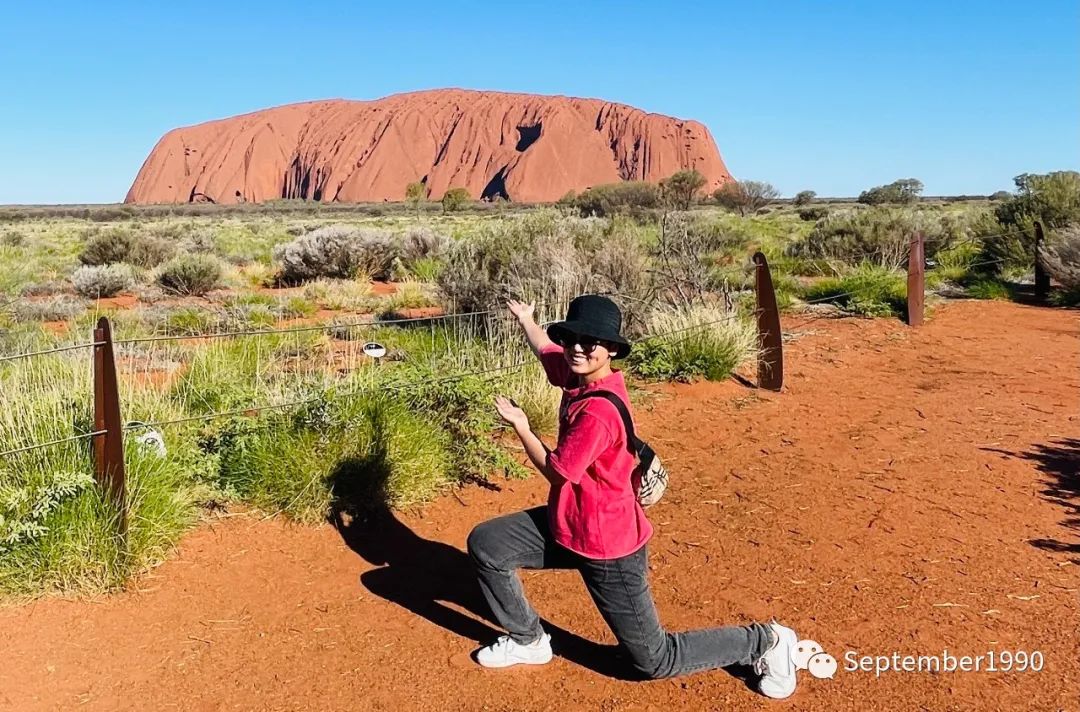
(45, 289)
(1008, 244)
(201, 241)
(337, 251)
(536, 257)
(1000, 195)
(988, 289)
(869, 290)
(693, 342)
(903, 191)
(57, 308)
(190, 274)
(813, 214)
(679, 189)
(881, 235)
(1061, 256)
(95, 281)
(632, 198)
(745, 196)
(684, 255)
(120, 244)
(11, 238)
(803, 197)
(421, 243)
(454, 198)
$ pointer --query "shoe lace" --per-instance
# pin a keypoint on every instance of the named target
(504, 642)
(761, 666)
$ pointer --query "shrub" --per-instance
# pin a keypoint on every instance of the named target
(813, 214)
(803, 197)
(988, 289)
(454, 198)
(869, 290)
(122, 245)
(11, 238)
(533, 257)
(190, 274)
(1052, 198)
(58, 308)
(422, 243)
(94, 281)
(903, 191)
(680, 188)
(415, 194)
(881, 235)
(1000, 196)
(337, 251)
(632, 198)
(697, 342)
(745, 196)
(297, 307)
(1061, 256)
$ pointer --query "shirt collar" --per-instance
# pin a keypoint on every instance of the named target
(613, 379)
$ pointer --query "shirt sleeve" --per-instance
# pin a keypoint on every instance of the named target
(584, 440)
(555, 366)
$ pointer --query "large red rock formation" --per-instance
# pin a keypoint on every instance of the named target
(523, 147)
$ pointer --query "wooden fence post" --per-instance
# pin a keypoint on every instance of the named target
(1042, 279)
(109, 446)
(770, 338)
(916, 281)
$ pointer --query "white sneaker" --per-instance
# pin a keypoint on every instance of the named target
(775, 666)
(504, 652)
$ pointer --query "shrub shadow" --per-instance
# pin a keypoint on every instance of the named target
(430, 578)
(1059, 460)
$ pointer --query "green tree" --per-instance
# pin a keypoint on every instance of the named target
(745, 196)
(680, 188)
(415, 194)
(903, 191)
(803, 197)
(454, 198)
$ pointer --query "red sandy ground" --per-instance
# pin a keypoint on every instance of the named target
(913, 490)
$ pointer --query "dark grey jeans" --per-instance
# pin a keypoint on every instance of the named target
(620, 589)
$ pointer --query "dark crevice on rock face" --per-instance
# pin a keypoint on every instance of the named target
(528, 135)
(496, 187)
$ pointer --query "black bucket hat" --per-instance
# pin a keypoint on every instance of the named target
(595, 316)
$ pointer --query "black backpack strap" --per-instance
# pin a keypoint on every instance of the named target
(631, 438)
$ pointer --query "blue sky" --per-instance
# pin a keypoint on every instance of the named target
(829, 96)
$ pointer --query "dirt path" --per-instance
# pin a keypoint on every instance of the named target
(912, 491)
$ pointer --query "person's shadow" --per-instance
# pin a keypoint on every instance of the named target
(423, 576)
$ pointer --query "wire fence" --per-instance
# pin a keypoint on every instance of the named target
(46, 352)
(60, 441)
(742, 271)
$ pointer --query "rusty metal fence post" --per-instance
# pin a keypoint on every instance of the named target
(109, 446)
(1042, 279)
(770, 339)
(916, 281)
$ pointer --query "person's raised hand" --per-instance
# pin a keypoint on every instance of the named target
(510, 412)
(522, 312)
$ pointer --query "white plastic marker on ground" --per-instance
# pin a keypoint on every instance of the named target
(374, 350)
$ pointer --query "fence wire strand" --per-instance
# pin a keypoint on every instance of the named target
(51, 351)
(61, 441)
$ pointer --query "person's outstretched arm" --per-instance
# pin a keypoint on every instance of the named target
(537, 337)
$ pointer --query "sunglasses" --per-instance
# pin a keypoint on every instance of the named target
(587, 344)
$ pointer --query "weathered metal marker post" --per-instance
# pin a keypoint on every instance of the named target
(916, 281)
(108, 446)
(770, 338)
